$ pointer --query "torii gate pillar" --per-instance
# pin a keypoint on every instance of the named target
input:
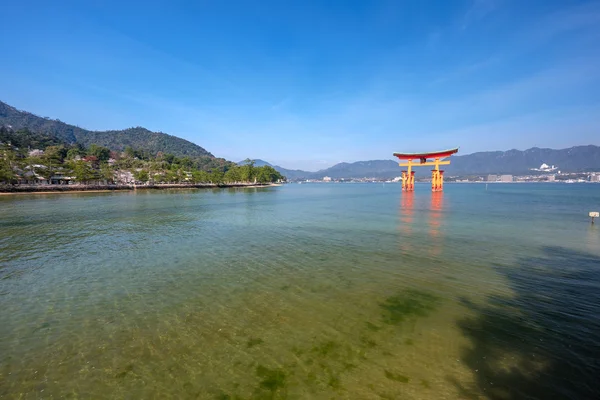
(437, 180)
(408, 179)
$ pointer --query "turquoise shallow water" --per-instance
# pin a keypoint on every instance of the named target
(302, 291)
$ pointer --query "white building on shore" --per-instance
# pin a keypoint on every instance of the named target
(545, 168)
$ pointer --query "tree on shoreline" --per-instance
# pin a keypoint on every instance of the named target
(141, 176)
(247, 171)
(82, 171)
(7, 158)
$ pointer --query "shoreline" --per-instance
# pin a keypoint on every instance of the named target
(66, 189)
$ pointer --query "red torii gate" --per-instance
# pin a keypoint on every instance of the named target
(437, 175)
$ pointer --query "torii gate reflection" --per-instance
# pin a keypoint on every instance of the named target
(434, 222)
(407, 211)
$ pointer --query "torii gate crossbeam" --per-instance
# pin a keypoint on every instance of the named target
(437, 175)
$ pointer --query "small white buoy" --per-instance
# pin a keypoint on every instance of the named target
(594, 214)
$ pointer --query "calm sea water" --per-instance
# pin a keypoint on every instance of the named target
(315, 291)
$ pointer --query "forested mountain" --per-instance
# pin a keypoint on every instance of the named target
(24, 138)
(138, 138)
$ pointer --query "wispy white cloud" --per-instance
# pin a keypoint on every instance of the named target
(370, 127)
(568, 19)
(281, 104)
(555, 128)
(479, 10)
(543, 87)
(433, 39)
(463, 71)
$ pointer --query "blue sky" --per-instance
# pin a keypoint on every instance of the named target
(308, 84)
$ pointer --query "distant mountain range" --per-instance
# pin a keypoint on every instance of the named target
(138, 138)
(573, 159)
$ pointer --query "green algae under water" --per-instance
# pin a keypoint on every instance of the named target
(306, 291)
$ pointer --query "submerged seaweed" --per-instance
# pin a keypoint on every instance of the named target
(254, 342)
(272, 379)
(408, 304)
(396, 377)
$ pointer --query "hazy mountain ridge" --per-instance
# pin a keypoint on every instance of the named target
(138, 138)
(290, 174)
(573, 159)
(360, 169)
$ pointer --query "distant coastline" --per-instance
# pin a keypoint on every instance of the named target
(52, 189)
